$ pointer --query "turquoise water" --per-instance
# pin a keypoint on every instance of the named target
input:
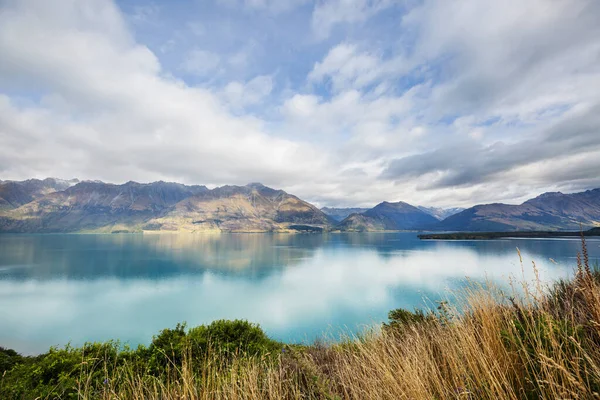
(56, 289)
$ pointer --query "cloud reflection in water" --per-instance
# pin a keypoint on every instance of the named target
(80, 288)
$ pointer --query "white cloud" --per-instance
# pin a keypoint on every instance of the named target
(327, 14)
(336, 124)
(120, 119)
(523, 92)
(200, 62)
(271, 6)
(301, 106)
(145, 13)
(299, 298)
(240, 94)
(347, 67)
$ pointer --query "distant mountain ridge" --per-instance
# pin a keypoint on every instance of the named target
(340, 214)
(14, 194)
(548, 211)
(440, 213)
(93, 206)
(388, 217)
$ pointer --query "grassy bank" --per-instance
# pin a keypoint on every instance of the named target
(542, 343)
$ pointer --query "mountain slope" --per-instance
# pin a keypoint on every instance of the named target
(14, 194)
(389, 216)
(549, 211)
(339, 214)
(91, 205)
(361, 223)
(101, 207)
(250, 208)
(440, 213)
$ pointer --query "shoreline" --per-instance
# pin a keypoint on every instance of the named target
(506, 235)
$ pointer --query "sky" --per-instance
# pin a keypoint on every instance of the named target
(340, 102)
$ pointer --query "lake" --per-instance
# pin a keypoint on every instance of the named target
(56, 289)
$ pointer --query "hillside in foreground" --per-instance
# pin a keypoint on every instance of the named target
(540, 343)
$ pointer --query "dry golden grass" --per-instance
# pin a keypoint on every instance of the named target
(543, 344)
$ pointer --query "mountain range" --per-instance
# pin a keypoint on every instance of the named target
(339, 214)
(93, 206)
(55, 205)
(548, 211)
(15, 194)
(440, 213)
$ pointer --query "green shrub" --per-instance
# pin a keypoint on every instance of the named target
(61, 373)
(237, 336)
(401, 318)
(55, 373)
(8, 359)
(166, 350)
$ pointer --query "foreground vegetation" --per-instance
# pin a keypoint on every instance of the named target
(542, 343)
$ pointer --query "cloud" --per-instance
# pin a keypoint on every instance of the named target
(240, 94)
(145, 13)
(428, 102)
(288, 303)
(120, 118)
(200, 62)
(347, 67)
(513, 58)
(497, 90)
(536, 84)
(271, 6)
(327, 14)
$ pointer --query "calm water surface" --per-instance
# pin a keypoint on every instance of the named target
(56, 289)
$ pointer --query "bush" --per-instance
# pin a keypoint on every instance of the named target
(8, 359)
(166, 350)
(237, 336)
(401, 318)
(64, 373)
(54, 374)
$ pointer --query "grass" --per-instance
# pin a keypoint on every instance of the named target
(543, 343)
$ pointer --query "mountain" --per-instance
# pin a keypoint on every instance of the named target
(14, 194)
(93, 206)
(340, 214)
(388, 216)
(55, 205)
(549, 211)
(440, 213)
(250, 208)
(360, 223)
